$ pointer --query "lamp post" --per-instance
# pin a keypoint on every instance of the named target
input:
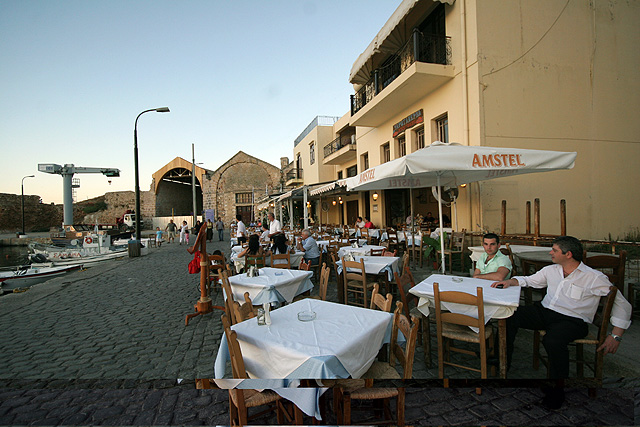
(135, 164)
(22, 185)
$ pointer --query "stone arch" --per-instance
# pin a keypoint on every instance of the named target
(172, 188)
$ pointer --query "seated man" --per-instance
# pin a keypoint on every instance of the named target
(309, 246)
(493, 264)
(573, 295)
(359, 223)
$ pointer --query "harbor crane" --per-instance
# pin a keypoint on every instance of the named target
(67, 172)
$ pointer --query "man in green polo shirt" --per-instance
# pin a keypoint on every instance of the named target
(493, 264)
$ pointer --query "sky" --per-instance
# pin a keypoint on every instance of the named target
(237, 75)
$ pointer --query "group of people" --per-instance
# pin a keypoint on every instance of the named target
(569, 306)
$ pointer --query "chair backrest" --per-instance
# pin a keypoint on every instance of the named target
(257, 260)
(392, 236)
(388, 253)
(457, 318)
(377, 252)
(457, 240)
(229, 300)
(601, 320)
(217, 263)
(306, 266)
(612, 266)
(244, 311)
(405, 261)
(406, 282)
(334, 261)
(377, 300)
(280, 260)
(237, 362)
(325, 272)
(354, 270)
(410, 331)
(506, 250)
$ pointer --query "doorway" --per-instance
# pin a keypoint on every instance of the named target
(352, 211)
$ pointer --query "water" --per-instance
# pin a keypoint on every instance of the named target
(13, 255)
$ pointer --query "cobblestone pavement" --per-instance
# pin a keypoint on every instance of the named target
(105, 346)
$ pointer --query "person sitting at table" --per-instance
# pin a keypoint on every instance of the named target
(279, 245)
(368, 223)
(493, 264)
(309, 246)
(274, 225)
(429, 218)
(359, 223)
(253, 248)
(264, 237)
(573, 295)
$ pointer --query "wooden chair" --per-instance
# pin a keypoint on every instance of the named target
(506, 250)
(388, 253)
(456, 246)
(392, 239)
(455, 326)
(217, 263)
(240, 400)
(601, 320)
(257, 260)
(380, 302)
(410, 303)
(339, 277)
(364, 234)
(325, 272)
(377, 252)
(229, 300)
(305, 266)
(244, 311)
(355, 283)
(351, 390)
(613, 267)
(277, 260)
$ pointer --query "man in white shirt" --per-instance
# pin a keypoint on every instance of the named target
(573, 294)
(274, 225)
(241, 230)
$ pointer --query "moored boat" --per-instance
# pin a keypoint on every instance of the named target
(29, 275)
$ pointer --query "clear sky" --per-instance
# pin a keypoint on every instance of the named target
(237, 75)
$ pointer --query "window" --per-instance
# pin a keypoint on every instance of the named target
(420, 138)
(243, 198)
(352, 171)
(402, 146)
(386, 153)
(298, 171)
(442, 128)
(312, 153)
(340, 175)
(365, 161)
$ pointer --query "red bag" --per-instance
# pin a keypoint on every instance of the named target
(194, 264)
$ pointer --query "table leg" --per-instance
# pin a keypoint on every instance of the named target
(502, 344)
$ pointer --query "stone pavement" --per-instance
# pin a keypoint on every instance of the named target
(106, 346)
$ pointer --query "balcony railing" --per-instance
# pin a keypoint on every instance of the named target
(337, 144)
(420, 48)
(293, 174)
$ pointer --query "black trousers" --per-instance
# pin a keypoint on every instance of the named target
(560, 331)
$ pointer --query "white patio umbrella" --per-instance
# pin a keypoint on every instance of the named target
(453, 164)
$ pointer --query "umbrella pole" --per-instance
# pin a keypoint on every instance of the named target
(412, 225)
(440, 221)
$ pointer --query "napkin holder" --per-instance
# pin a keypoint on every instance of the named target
(355, 245)
(349, 257)
(253, 271)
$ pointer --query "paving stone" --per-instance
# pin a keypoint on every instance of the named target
(107, 413)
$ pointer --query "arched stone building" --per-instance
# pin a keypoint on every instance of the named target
(229, 190)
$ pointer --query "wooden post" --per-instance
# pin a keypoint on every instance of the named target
(528, 218)
(563, 217)
(536, 220)
(203, 305)
(503, 226)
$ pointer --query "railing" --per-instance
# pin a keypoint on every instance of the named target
(420, 48)
(337, 144)
(293, 174)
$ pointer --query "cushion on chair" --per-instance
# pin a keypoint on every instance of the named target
(463, 333)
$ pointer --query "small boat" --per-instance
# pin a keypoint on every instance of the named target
(76, 234)
(94, 248)
(28, 275)
(85, 261)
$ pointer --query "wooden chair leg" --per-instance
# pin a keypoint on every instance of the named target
(346, 409)
(400, 406)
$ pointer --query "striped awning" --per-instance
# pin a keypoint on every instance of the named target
(327, 187)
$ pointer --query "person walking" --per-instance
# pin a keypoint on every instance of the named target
(184, 233)
(171, 229)
(209, 230)
(220, 228)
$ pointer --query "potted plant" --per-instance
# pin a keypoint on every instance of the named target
(431, 246)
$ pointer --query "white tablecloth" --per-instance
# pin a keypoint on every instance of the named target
(376, 265)
(498, 303)
(477, 251)
(365, 250)
(342, 341)
(272, 285)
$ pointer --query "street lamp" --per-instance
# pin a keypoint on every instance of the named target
(22, 185)
(135, 163)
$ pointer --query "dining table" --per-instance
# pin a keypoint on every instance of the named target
(364, 250)
(239, 262)
(376, 265)
(310, 339)
(499, 304)
(272, 285)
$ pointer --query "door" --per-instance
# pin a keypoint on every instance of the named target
(245, 211)
(352, 212)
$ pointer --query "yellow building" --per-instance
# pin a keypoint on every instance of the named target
(550, 75)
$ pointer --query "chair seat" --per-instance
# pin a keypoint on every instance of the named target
(382, 371)
(589, 339)
(463, 333)
(253, 398)
(366, 393)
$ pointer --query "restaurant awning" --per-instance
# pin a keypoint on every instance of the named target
(295, 193)
(390, 38)
(324, 188)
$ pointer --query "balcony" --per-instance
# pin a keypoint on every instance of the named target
(421, 66)
(340, 150)
(293, 178)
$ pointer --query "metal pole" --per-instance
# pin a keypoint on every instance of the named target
(67, 194)
(304, 208)
(193, 184)
(22, 186)
(440, 221)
